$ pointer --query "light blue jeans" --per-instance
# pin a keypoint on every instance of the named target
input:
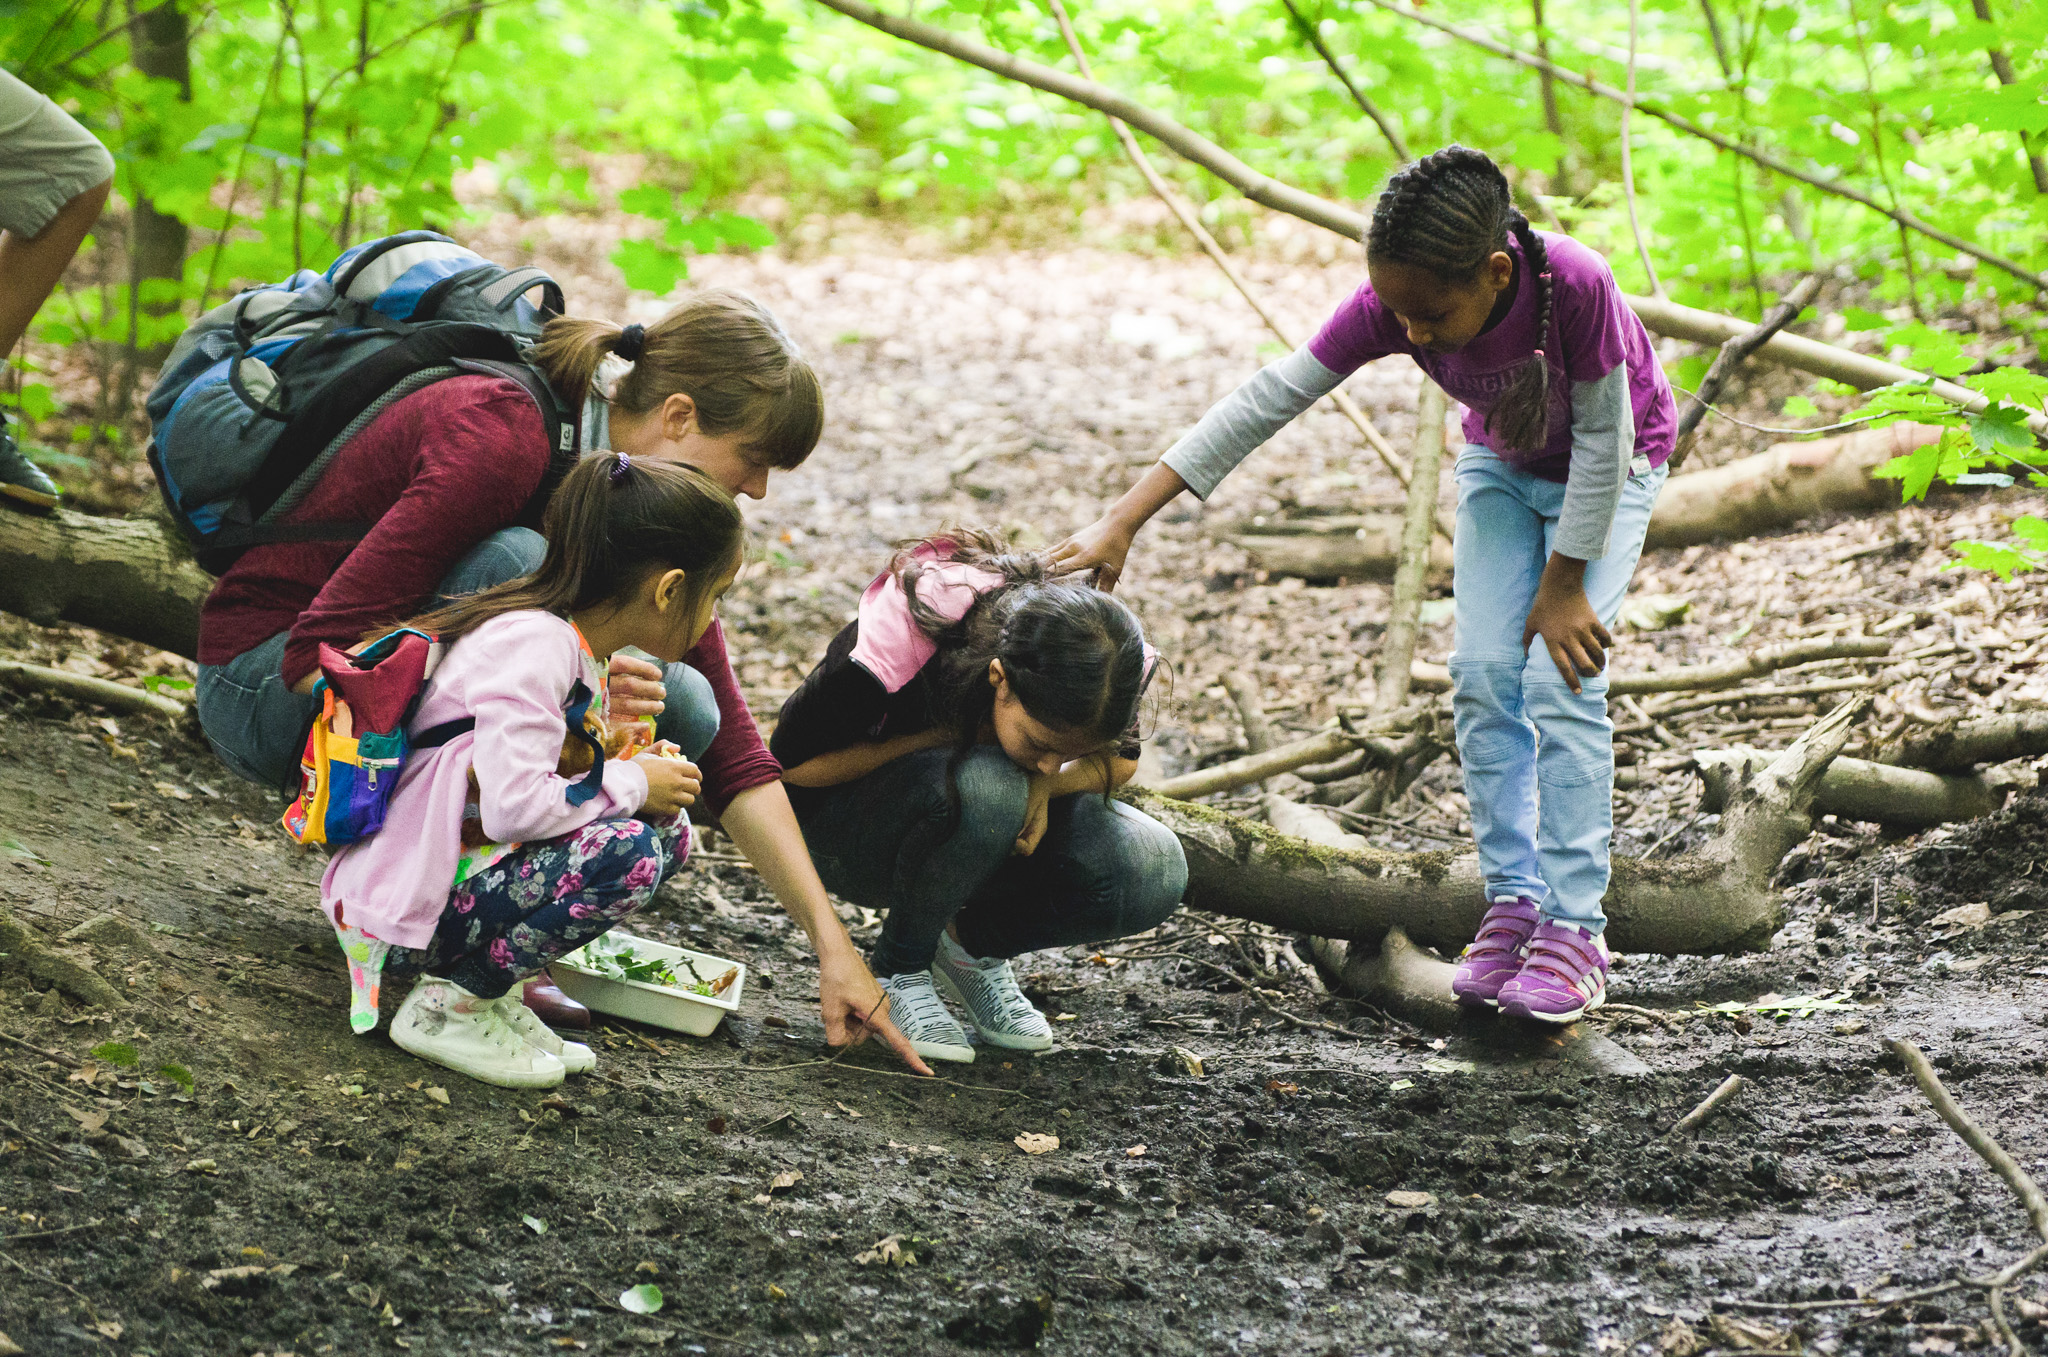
(1538, 758)
(257, 725)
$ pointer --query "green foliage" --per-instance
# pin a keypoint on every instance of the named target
(118, 1053)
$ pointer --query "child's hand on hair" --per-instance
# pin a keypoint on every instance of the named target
(1035, 811)
(1102, 547)
(637, 688)
(1570, 629)
(673, 782)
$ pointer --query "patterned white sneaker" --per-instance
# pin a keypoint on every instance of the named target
(442, 1022)
(987, 989)
(576, 1057)
(919, 1013)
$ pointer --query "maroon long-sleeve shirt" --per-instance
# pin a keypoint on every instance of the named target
(436, 474)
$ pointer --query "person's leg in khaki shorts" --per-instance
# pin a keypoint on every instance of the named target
(54, 179)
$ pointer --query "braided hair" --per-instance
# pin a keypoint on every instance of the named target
(1447, 214)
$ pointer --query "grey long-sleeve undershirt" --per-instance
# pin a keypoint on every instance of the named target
(1603, 441)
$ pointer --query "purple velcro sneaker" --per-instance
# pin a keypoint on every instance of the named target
(1564, 977)
(1495, 956)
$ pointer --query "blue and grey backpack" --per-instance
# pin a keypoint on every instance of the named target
(263, 390)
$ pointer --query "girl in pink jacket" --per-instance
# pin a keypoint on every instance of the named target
(491, 863)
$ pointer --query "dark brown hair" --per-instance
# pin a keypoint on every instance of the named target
(607, 527)
(1447, 214)
(723, 350)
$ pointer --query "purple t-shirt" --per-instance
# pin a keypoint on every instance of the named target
(1588, 318)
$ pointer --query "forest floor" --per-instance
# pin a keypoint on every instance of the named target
(219, 1166)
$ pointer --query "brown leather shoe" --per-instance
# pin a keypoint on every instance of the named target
(553, 1007)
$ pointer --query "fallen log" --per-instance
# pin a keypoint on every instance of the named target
(1904, 799)
(127, 576)
(1745, 498)
(1779, 487)
(1368, 547)
(1694, 678)
(1712, 900)
(1961, 744)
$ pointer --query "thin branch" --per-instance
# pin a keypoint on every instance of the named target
(2001, 66)
(1732, 356)
(1184, 141)
(1628, 168)
(1691, 128)
(1975, 1136)
(1358, 96)
(227, 222)
(1884, 175)
(1193, 225)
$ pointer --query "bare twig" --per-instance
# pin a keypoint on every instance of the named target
(1628, 170)
(1709, 1105)
(1192, 224)
(1397, 650)
(1732, 355)
(1358, 96)
(85, 688)
(1604, 91)
(1975, 1136)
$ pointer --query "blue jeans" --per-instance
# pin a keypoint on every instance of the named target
(1538, 758)
(888, 841)
(257, 725)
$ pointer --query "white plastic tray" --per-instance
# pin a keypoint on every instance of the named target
(655, 1005)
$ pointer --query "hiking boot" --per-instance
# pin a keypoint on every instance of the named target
(919, 1013)
(1495, 956)
(576, 1057)
(987, 989)
(442, 1022)
(22, 482)
(1564, 978)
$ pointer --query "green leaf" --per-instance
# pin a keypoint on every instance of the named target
(2000, 559)
(2012, 108)
(115, 1053)
(2031, 530)
(2001, 426)
(535, 1224)
(649, 200)
(178, 1075)
(1801, 407)
(649, 267)
(2014, 384)
(1856, 318)
(1938, 352)
(36, 401)
(644, 1299)
(740, 230)
(166, 683)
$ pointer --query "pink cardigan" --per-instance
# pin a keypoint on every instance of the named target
(513, 674)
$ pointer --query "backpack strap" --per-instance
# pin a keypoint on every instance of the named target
(580, 698)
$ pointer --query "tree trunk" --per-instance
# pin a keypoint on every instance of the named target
(127, 576)
(1715, 899)
(157, 241)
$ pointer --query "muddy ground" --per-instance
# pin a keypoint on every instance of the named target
(264, 1182)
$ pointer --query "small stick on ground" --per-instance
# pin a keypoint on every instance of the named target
(1709, 1105)
(1989, 1150)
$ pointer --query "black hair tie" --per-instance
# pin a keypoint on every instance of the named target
(632, 342)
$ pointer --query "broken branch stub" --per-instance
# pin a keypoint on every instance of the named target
(1857, 789)
(1714, 899)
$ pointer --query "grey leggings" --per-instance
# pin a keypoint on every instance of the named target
(1103, 870)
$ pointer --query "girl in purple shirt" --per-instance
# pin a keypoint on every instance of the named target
(1569, 421)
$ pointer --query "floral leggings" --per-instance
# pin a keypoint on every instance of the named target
(544, 899)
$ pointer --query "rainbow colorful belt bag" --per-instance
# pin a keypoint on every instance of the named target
(358, 744)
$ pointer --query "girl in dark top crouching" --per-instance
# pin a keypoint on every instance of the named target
(951, 762)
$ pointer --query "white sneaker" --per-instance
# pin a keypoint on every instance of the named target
(987, 989)
(443, 1022)
(919, 1013)
(576, 1057)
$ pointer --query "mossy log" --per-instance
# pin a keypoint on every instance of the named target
(1712, 900)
